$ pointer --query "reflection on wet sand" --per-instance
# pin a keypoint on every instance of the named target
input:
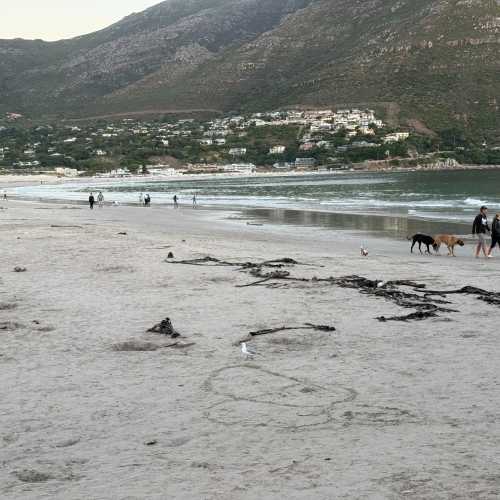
(389, 226)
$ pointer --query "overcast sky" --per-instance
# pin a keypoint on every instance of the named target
(56, 19)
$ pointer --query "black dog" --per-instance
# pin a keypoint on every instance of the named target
(422, 239)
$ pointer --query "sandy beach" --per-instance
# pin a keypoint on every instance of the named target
(95, 407)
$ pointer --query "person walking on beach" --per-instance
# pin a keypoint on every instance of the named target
(195, 201)
(147, 200)
(481, 227)
(91, 201)
(5, 195)
(141, 199)
(100, 199)
(495, 234)
(176, 201)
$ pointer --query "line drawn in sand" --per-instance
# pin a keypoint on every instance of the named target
(254, 396)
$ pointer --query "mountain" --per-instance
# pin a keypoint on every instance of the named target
(431, 64)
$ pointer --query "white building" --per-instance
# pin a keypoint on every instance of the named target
(396, 137)
(66, 172)
(238, 151)
(241, 168)
(277, 150)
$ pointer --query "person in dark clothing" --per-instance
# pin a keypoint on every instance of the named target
(176, 201)
(147, 200)
(91, 201)
(495, 234)
(480, 227)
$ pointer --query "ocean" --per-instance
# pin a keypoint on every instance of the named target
(451, 197)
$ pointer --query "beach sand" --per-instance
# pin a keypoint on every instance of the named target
(371, 411)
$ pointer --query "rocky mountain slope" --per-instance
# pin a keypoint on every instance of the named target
(428, 63)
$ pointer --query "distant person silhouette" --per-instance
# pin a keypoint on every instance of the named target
(91, 201)
(100, 199)
(195, 201)
(176, 201)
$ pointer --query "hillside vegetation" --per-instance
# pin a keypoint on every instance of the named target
(430, 64)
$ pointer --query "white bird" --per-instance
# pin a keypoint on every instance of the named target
(364, 251)
(247, 352)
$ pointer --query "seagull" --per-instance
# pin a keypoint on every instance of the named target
(247, 352)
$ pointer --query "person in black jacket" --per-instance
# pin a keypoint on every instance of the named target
(495, 234)
(481, 227)
(91, 201)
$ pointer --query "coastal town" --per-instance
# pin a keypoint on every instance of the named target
(279, 141)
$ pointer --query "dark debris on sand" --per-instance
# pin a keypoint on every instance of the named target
(428, 303)
(165, 327)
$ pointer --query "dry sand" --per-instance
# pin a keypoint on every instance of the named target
(371, 411)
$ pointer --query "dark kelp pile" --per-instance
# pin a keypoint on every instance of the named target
(404, 293)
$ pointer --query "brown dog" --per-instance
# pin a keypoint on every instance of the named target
(450, 241)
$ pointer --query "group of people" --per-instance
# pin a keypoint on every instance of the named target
(481, 228)
(144, 200)
(92, 200)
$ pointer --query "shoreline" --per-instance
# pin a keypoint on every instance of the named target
(364, 222)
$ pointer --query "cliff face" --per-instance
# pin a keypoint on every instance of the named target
(426, 62)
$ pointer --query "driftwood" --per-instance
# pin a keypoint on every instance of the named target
(306, 326)
(65, 227)
(212, 261)
(416, 316)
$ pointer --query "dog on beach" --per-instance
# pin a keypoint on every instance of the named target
(422, 239)
(450, 241)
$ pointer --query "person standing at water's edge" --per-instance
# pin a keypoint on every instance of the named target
(495, 234)
(91, 201)
(195, 201)
(176, 201)
(100, 199)
(481, 227)
(141, 199)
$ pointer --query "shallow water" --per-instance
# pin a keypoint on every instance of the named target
(452, 196)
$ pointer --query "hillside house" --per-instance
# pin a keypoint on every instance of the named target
(305, 162)
(277, 150)
(238, 151)
(396, 137)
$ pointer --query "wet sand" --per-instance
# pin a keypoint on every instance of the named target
(373, 410)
